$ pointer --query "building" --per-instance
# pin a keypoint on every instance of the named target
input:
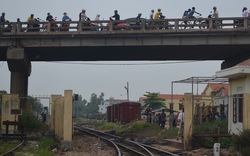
(239, 96)
(216, 95)
(111, 101)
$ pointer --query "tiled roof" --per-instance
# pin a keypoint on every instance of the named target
(168, 97)
(244, 63)
(216, 87)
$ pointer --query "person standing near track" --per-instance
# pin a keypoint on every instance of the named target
(180, 119)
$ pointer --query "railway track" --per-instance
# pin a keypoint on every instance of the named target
(124, 146)
(11, 152)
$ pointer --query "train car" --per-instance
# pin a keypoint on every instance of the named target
(124, 112)
(108, 114)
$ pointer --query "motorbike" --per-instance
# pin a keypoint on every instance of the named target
(216, 23)
(33, 26)
(88, 26)
(65, 25)
(53, 25)
(118, 25)
(163, 24)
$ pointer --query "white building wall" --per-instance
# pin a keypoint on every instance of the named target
(236, 87)
(103, 106)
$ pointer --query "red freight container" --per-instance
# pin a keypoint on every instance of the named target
(109, 113)
(124, 112)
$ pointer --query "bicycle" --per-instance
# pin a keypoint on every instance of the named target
(197, 22)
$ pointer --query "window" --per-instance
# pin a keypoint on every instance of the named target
(180, 106)
(238, 108)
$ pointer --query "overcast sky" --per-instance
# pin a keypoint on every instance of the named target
(54, 77)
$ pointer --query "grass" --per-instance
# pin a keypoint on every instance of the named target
(42, 148)
(138, 127)
(5, 147)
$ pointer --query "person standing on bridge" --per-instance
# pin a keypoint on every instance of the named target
(49, 17)
(215, 13)
(245, 13)
(157, 14)
(151, 16)
(82, 15)
(2, 19)
(116, 15)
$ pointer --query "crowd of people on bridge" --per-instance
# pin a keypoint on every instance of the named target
(188, 14)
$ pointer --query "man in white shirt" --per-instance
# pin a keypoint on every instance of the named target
(180, 119)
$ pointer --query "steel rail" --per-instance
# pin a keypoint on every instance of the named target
(149, 150)
(105, 139)
(10, 152)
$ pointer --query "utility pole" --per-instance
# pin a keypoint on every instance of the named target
(127, 89)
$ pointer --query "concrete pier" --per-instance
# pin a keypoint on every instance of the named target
(20, 68)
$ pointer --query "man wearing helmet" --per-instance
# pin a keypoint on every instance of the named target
(116, 15)
(157, 14)
(82, 15)
(215, 13)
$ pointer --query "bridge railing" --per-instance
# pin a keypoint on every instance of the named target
(168, 25)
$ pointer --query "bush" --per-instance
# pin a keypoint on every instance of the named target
(242, 142)
(210, 128)
(30, 120)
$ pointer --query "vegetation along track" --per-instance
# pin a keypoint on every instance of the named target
(125, 146)
(11, 152)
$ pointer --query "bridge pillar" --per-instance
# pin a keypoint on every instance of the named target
(20, 68)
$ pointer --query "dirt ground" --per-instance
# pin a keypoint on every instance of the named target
(84, 145)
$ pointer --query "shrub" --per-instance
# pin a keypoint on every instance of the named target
(31, 121)
(242, 142)
(210, 128)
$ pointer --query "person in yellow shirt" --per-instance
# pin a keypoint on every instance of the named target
(31, 18)
(157, 14)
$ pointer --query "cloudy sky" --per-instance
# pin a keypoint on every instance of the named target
(110, 77)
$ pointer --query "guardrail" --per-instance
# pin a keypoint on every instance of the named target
(128, 25)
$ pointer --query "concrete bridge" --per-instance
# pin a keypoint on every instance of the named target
(168, 39)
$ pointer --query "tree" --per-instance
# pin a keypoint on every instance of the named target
(92, 106)
(36, 105)
(79, 106)
(153, 101)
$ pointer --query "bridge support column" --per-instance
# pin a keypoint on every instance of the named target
(188, 121)
(20, 68)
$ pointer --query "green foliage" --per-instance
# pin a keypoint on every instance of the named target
(36, 106)
(45, 145)
(210, 128)
(153, 101)
(142, 125)
(170, 133)
(83, 107)
(31, 121)
(5, 147)
(103, 125)
(92, 106)
(242, 142)
(79, 106)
